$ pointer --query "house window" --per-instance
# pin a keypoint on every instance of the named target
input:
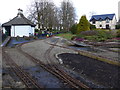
(107, 20)
(100, 25)
(93, 22)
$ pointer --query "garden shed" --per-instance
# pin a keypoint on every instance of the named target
(19, 26)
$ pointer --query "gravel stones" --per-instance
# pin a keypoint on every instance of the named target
(97, 71)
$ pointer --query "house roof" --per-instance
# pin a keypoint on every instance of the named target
(20, 19)
(102, 17)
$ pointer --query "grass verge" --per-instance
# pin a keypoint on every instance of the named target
(66, 35)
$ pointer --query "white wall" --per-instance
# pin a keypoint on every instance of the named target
(118, 10)
(21, 30)
(4, 30)
(111, 23)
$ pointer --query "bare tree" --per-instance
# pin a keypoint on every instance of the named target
(44, 13)
(67, 14)
(47, 16)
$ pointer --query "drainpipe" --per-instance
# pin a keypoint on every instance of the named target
(14, 31)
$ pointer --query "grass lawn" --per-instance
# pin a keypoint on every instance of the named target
(66, 35)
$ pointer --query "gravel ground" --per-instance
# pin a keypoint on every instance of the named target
(38, 48)
(19, 58)
(9, 78)
(97, 71)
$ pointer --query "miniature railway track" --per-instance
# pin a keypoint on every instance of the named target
(74, 83)
(24, 76)
(63, 75)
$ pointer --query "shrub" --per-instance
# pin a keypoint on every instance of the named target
(83, 25)
(118, 33)
(35, 38)
(92, 27)
(73, 29)
(36, 30)
(17, 38)
(26, 38)
(74, 37)
(89, 33)
(118, 26)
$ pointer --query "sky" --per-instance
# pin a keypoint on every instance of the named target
(9, 8)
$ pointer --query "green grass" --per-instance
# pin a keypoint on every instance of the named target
(66, 35)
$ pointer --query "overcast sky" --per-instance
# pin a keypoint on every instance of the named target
(8, 8)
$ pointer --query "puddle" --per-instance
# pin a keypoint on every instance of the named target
(45, 78)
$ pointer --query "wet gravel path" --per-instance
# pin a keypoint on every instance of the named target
(42, 76)
(97, 71)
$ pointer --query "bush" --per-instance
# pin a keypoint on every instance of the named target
(74, 37)
(73, 29)
(89, 33)
(17, 38)
(92, 27)
(83, 25)
(26, 38)
(118, 26)
(36, 30)
(118, 33)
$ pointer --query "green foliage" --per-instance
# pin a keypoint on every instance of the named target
(73, 29)
(118, 33)
(17, 38)
(83, 25)
(96, 35)
(66, 35)
(118, 26)
(92, 27)
(36, 30)
(89, 33)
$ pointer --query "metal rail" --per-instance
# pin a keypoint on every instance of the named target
(24, 76)
(54, 69)
(67, 78)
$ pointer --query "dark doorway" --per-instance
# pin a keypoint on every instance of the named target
(8, 30)
(107, 27)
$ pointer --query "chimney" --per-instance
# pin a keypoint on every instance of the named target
(20, 12)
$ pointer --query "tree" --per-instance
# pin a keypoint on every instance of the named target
(43, 13)
(67, 15)
(73, 29)
(92, 27)
(83, 25)
(118, 26)
(47, 16)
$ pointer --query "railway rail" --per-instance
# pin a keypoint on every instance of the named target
(24, 76)
(89, 54)
(72, 82)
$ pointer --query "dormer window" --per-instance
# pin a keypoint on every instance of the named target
(107, 20)
(93, 22)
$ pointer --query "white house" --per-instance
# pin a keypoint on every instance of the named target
(19, 26)
(105, 21)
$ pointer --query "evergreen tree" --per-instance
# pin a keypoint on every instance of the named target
(73, 29)
(83, 25)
